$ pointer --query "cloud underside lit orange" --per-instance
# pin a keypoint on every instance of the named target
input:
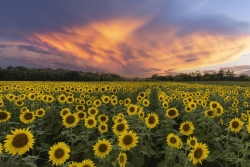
(124, 46)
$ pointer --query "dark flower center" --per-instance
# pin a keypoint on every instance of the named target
(198, 153)
(20, 140)
(28, 116)
(173, 140)
(70, 119)
(235, 124)
(186, 127)
(90, 122)
(121, 159)
(171, 112)
(120, 127)
(59, 153)
(103, 147)
(3, 115)
(151, 120)
(127, 140)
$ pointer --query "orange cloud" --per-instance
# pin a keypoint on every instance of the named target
(123, 46)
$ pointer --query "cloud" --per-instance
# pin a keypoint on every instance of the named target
(4, 45)
(33, 49)
(236, 68)
(159, 37)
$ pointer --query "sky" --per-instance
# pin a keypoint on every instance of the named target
(130, 38)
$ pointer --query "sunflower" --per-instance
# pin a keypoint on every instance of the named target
(235, 125)
(245, 104)
(165, 104)
(59, 153)
(103, 118)
(244, 116)
(188, 108)
(80, 107)
(114, 102)
(1, 148)
(74, 164)
(70, 100)
(90, 122)
(141, 115)
(1, 103)
(219, 111)
(105, 99)
(186, 128)
(40, 112)
(127, 140)
(172, 113)
(4, 116)
(145, 102)
(19, 142)
(210, 113)
(127, 101)
(27, 117)
(64, 112)
(87, 163)
(103, 127)
(122, 159)
(97, 103)
(192, 105)
(174, 141)
(19, 103)
(70, 120)
(199, 153)
(191, 141)
(92, 111)
(214, 104)
(151, 120)
(132, 109)
(81, 115)
(102, 148)
(120, 127)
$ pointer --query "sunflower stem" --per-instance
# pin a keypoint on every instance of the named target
(21, 160)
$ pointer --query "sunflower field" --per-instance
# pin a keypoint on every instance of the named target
(123, 124)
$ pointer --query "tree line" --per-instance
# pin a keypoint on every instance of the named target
(21, 73)
(221, 75)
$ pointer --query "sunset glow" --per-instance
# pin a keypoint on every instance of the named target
(141, 45)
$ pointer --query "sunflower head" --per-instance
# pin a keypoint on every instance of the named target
(102, 148)
(172, 113)
(120, 127)
(103, 118)
(59, 153)
(92, 111)
(4, 116)
(90, 122)
(191, 141)
(235, 125)
(103, 127)
(199, 153)
(132, 109)
(122, 159)
(186, 128)
(152, 120)
(19, 142)
(174, 141)
(70, 120)
(81, 115)
(27, 117)
(127, 140)
(87, 163)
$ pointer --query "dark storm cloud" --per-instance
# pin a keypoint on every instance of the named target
(145, 70)
(155, 69)
(236, 68)
(33, 49)
(189, 60)
(4, 45)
